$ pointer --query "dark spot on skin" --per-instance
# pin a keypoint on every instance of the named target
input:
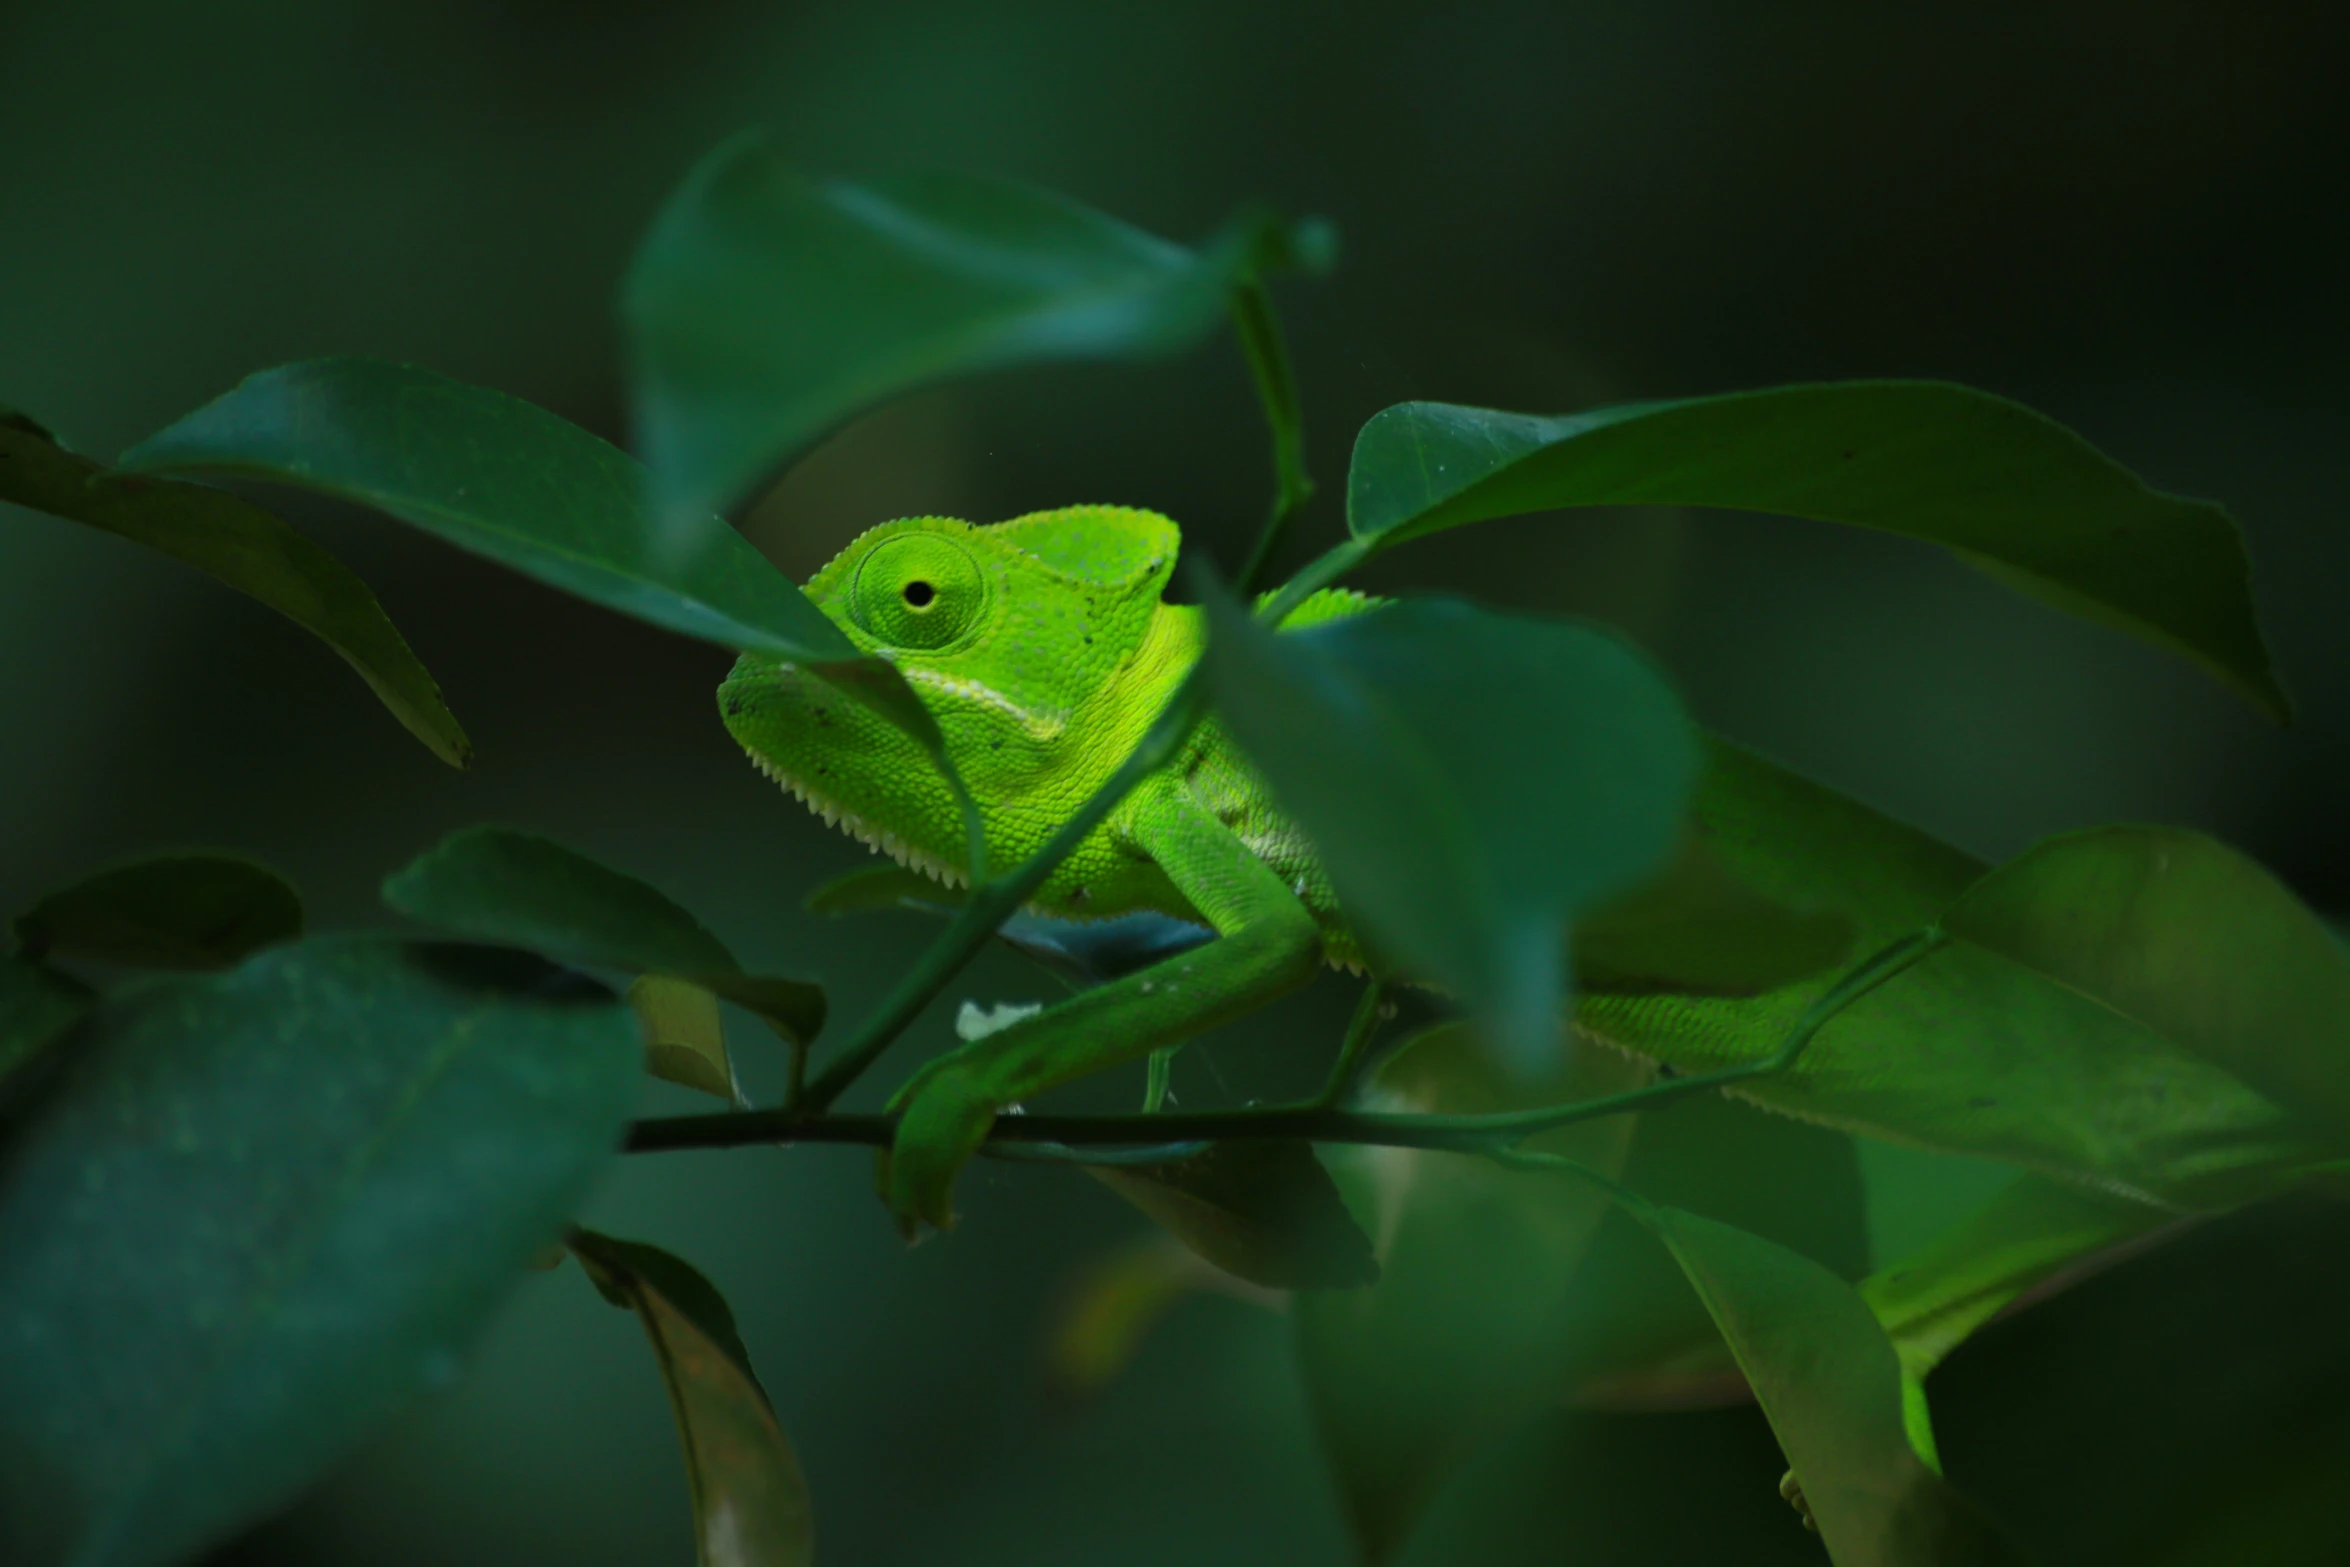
(1848, 456)
(734, 707)
(1981, 1103)
(995, 745)
(1089, 641)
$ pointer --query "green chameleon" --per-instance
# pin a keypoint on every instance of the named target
(1043, 650)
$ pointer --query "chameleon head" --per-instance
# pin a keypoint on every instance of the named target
(1023, 640)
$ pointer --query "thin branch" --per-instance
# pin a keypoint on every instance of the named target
(992, 904)
(1369, 1012)
(1313, 1122)
(1259, 331)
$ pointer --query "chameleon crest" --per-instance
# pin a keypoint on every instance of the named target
(1042, 649)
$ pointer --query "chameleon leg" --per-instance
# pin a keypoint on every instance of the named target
(1267, 945)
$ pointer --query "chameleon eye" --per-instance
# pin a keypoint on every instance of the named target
(920, 590)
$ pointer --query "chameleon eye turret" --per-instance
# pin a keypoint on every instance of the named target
(920, 590)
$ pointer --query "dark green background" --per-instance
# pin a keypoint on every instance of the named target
(2128, 213)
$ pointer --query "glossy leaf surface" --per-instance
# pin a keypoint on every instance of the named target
(191, 910)
(239, 544)
(1832, 1388)
(750, 1500)
(2003, 487)
(1460, 1338)
(764, 306)
(1967, 1051)
(1472, 782)
(261, 1210)
(1262, 1209)
(528, 489)
(2191, 939)
(2030, 1231)
(515, 887)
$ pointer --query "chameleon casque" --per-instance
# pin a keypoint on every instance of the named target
(1042, 648)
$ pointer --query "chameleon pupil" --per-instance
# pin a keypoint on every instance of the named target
(919, 593)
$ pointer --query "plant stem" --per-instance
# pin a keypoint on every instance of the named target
(1259, 331)
(1360, 1031)
(995, 902)
(1310, 1122)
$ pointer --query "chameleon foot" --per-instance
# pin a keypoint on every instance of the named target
(943, 1118)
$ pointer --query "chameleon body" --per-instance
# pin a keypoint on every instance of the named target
(1041, 647)
(1043, 650)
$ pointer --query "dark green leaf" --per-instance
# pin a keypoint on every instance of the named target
(191, 910)
(1967, 1051)
(2189, 938)
(883, 885)
(2032, 1230)
(36, 1005)
(239, 544)
(1472, 782)
(503, 478)
(509, 480)
(2005, 488)
(765, 307)
(1698, 927)
(1833, 1390)
(1083, 953)
(685, 1038)
(529, 891)
(261, 1210)
(1460, 1338)
(750, 1500)
(1261, 1209)
(1636, 1334)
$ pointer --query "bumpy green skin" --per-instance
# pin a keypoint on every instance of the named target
(1043, 650)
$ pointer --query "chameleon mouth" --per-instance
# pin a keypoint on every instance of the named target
(872, 837)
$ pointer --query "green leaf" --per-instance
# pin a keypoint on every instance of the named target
(2032, 1230)
(1637, 1336)
(764, 307)
(1262, 1209)
(1082, 953)
(1967, 1051)
(515, 887)
(237, 543)
(189, 910)
(1460, 1338)
(2001, 486)
(882, 886)
(1472, 782)
(508, 480)
(261, 1210)
(1833, 1391)
(1698, 927)
(685, 1038)
(750, 1500)
(36, 1005)
(2189, 938)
